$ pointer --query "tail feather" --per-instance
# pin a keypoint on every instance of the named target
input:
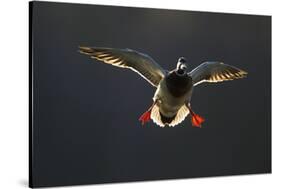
(170, 121)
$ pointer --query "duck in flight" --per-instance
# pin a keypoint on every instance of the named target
(171, 101)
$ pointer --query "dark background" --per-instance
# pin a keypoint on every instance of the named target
(85, 113)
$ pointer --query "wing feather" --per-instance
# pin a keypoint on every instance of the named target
(215, 72)
(127, 58)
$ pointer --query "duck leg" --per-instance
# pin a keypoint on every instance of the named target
(145, 117)
(196, 119)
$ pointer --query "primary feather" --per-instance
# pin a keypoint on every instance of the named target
(215, 72)
(127, 58)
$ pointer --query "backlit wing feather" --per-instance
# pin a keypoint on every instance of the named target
(215, 72)
(127, 58)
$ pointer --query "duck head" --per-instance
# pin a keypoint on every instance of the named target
(181, 69)
(178, 82)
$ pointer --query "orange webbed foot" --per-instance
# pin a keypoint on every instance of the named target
(145, 117)
(197, 120)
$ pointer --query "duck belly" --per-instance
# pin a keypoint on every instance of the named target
(168, 104)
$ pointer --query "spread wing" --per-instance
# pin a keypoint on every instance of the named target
(215, 72)
(127, 58)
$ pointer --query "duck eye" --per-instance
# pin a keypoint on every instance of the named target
(182, 60)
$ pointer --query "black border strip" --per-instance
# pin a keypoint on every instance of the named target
(30, 86)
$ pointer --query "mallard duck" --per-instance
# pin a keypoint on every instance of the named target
(171, 101)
